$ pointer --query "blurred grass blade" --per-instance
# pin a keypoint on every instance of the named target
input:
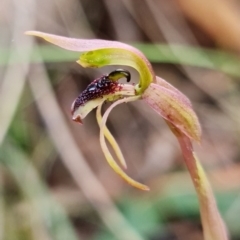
(156, 53)
(2, 207)
(51, 215)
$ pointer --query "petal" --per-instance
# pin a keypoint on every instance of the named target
(99, 53)
(164, 83)
(106, 151)
(82, 111)
(110, 138)
(174, 107)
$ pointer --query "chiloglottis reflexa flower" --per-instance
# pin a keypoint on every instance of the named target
(162, 97)
(165, 99)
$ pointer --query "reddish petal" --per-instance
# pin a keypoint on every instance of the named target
(174, 107)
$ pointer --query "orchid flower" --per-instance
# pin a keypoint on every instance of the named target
(172, 105)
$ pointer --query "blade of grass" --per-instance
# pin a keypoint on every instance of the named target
(156, 53)
(51, 214)
(2, 210)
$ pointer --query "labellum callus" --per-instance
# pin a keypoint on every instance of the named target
(105, 85)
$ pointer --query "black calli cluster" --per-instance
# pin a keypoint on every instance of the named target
(107, 84)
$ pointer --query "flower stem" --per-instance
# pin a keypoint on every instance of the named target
(213, 225)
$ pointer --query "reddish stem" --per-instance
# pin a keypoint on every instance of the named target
(213, 225)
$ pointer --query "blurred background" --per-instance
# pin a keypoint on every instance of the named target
(54, 180)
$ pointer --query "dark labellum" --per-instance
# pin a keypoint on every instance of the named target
(104, 85)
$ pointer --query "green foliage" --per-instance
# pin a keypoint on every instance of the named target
(156, 53)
